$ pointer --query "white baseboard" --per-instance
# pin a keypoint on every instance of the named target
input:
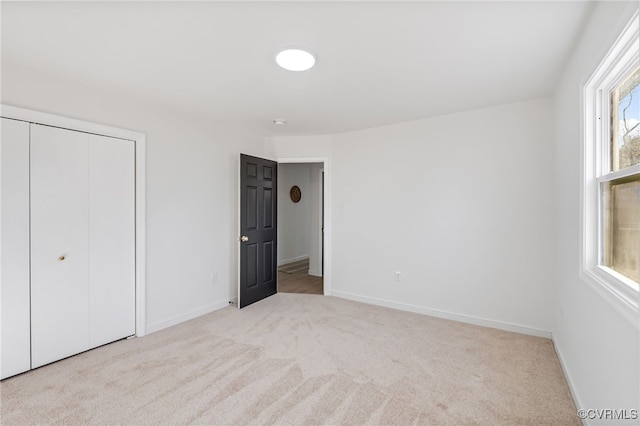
(446, 315)
(293, 259)
(314, 272)
(186, 317)
(567, 375)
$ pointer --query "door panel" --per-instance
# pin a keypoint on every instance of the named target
(111, 239)
(59, 243)
(268, 256)
(258, 223)
(251, 257)
(16, 337)
(268, 209)
(82, 242)
(251, 208)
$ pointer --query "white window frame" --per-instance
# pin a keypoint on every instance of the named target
(622, 292)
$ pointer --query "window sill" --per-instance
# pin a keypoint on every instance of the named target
(620, 292)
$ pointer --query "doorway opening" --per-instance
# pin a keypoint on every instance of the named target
(301, 217)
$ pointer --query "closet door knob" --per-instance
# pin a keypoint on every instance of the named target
(61, 258)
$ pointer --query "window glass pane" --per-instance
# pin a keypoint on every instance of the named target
(625, 123)
(621, 226)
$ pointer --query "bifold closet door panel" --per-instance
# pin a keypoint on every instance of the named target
(14, 292)
(111, 239)
(59, 243)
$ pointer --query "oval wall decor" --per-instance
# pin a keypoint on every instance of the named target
(295, 193)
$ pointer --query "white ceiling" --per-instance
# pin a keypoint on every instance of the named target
(377, 62)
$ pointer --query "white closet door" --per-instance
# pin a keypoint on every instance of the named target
(59, 243)
(111, 239)
(14, 159)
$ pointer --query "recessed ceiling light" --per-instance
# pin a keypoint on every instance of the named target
(279, 122)
(295, 59)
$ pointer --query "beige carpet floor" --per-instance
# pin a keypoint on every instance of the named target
(302, 359)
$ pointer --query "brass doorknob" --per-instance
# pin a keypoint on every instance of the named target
(244, 238)
(61, 257)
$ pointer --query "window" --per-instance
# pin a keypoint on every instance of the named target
(620, 192)
(611, 215)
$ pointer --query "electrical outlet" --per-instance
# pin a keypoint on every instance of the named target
(397, 276)
(214, 278)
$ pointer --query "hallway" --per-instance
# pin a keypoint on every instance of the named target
(294, 278)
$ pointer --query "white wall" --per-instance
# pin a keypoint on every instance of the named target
(192, 188)
(460, 204)
(598, 347)
(293, 218)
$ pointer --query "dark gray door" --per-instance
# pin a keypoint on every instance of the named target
(258, 229)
